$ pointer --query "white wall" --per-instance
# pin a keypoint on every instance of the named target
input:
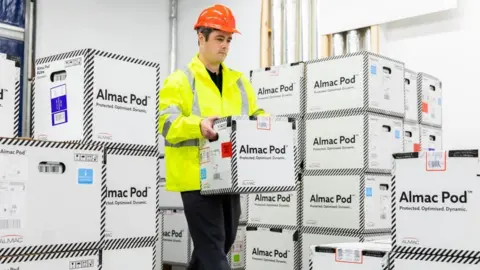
(121, 26)
(245, 48)
(446, 45)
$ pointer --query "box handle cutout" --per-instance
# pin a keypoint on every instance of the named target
(51, 167)
(408, 134)
(386, 128)
(407, 81)
(387, 70)
(432, 87)
(432, 138)
(58, 76)
(383, 186)
(214, 139)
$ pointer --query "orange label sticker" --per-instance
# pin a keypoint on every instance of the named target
(226, 149)
(425, 107)
(417, 147)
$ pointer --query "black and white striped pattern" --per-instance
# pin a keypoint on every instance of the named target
(124, 243)
(16, 110)
(88, 100)
(298, 251)
(394, 256)
(28, 250)
(48, 256)
(300, 199)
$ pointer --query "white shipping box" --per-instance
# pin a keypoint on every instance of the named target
(430, 101)
(437, 190)
(352, 143)
(236, 255)
(361, 80)
(251, 155)
(168, 199)
(73, 260)
(411, 138)
(314, 236)
(411, 261)
(273, 210)
(431, 138)
(346, 256)
(50, 196)
(9, 96)
(133, 200)
(352, 203)
(95, 96)
(280, 89)
(138, 258)
(277, 249)
(243, 208)
(177, 243)
(411, 96)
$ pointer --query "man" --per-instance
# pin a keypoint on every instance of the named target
(190, 101)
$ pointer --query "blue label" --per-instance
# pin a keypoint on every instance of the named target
(58, 105)
(431, 149)
(203, 174)
(368, 192)
(397, 134)
(373, 69)
(85, 176)
(439, 101)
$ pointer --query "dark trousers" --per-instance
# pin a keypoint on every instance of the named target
(213, 222)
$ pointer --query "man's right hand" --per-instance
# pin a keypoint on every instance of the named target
(206, 126)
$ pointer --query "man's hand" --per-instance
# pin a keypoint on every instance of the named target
(206, 126)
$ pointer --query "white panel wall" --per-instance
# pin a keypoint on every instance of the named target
(134, 28)
(245, 48)
(445, 45)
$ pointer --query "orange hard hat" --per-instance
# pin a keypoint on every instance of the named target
(218, 17)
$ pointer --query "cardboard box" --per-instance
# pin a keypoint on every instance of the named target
(51, 194)
(9, 96)
(352, 143)
(411, 138)
(280, 89)
(73, 260)
(431, 138)
(236, 255)
(251, 155)
(177, 243)
(277, 249)
(138, 258)
(430, 100)
(357, 81)
(410, 261)
(314, 236)
(434, 193)
(346, 256)
(273, 210)
(168, 199)
(243, 208)
(411, 96)
(131, 200)
(92, 94)
(352, 203)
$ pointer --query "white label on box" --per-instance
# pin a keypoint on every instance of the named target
(349, 255)
(13, 178)
(278, 89)
(273, 208)
(335, 84)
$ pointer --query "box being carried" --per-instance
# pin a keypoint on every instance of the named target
(251, 155)
(94, 96)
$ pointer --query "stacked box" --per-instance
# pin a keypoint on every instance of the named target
(236, 255)
(92, 96)
(177, 243)
(439, 191)
(423, 112)
(9, 96)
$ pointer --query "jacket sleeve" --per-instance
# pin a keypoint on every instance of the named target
(252, 99)
(176, 123)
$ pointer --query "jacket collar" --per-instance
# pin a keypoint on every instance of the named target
(200, 71)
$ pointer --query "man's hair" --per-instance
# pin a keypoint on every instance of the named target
(205, 31)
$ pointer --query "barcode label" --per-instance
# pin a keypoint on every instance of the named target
(216, 176)
(10, 224)
(387, 96)
(59, 118)
(50, 168)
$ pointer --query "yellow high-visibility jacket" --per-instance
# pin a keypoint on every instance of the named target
(188, 96)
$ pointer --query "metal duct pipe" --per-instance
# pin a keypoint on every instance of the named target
(338, 46)
(292, 33)
(366, 39)
(277, 30)
(173, 35)
(305, 29)
(353, 41)
(315, 41)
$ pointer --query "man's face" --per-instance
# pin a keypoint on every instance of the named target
(217, 46)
